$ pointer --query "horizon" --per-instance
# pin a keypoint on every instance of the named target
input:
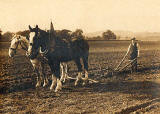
(88, 15)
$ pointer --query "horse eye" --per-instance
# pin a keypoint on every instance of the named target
(31, 44)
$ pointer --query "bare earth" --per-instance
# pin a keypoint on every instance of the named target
(122, 93)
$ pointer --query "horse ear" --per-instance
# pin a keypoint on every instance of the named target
(13, 34)
(36, 26)
(27, 37)
(30, 28)
(19, 37)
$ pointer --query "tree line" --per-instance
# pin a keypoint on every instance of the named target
(64, 34)
(107, 35)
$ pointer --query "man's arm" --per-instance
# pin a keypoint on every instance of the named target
(128, 50)
(138, 48)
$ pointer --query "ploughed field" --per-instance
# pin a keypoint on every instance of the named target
(122, 93)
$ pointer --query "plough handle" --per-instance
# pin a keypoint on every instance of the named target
(128, 64)
(120, 63)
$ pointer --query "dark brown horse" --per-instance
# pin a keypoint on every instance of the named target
(57, 50)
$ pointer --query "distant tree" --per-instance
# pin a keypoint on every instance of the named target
(108, 35)
(23, 33)
(78, 34)
(0, 34)
(118, 37)
(63, 34)
(7, 36)
(96, 38)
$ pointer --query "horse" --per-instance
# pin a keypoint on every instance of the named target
(56, 51)
(37, 63)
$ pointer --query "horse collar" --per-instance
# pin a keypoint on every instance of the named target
(45, 52)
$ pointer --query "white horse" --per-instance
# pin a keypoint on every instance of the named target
(38, 66)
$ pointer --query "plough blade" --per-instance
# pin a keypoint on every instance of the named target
(90, 80)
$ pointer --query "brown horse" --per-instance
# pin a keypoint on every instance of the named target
(56, 51)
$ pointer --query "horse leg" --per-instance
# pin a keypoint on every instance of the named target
(62, 72)
(57, 74)
(55, 67)
(85, 62)
(45, 78)
(79, 66)
(36, 66)
(66, 72)
(42, 74)
(54, 81)
(39, 78)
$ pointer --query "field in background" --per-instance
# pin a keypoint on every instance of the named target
(124, 92)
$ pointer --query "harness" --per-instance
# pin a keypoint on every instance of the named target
(49, 49)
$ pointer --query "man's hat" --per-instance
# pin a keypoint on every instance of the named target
(133, 38)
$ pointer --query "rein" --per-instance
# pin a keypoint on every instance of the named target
(24, 48)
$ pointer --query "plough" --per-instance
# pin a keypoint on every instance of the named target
(90, 80)
(130, 62)
(110, 72)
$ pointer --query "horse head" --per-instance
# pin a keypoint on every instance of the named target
(40, 39)
(14, 45)
(34, 42)
(17, 40)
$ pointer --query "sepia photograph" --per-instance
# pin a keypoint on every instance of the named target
(79, 56)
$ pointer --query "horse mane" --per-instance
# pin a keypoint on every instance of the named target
(24, 33)
(46, 34)
(21, 38)
(62, 37)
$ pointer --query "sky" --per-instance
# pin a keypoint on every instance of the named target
(88, 15)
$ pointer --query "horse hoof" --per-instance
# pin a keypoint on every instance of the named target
(52, 86)
(76, 82)
(64, 81)
(44, 85)
(38, 85)
(85, 82)
(58, 88)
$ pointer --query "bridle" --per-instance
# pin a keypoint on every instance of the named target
(18, 43)
(14, 49)
(24, 48)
